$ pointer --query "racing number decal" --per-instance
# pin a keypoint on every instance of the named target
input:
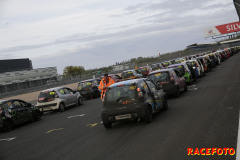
(133, 87)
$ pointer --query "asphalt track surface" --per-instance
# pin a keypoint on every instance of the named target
(206, 116)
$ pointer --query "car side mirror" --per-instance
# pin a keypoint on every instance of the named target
(74, 92)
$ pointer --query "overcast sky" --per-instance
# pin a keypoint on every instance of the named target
(96, 33)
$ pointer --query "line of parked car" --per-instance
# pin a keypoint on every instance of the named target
(143, 95)
(136, 95)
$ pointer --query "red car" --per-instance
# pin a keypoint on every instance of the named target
(145, 70)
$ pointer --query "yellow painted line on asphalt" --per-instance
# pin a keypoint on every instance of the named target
(92, 125)
(54, 130)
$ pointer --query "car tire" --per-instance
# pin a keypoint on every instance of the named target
(37, 116)
(185, 88)
(80, 101)
(177, 94)
(148, 115)
(61, 107)
(8, 125)
(107, 124)
(165, 104)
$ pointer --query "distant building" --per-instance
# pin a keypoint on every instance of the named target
(12, 81)
(201, 46)
(120, 67)
(11, 65)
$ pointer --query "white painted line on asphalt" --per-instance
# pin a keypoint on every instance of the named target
(77, 116)
(238, 141)
(8, 139)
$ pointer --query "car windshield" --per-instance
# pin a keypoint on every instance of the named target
(189, 64)
(159, 77)
(124, 91)
(127, 74)
(84, 85)
(47, 94)
(180, 69)
(165, 64)
(155, 66)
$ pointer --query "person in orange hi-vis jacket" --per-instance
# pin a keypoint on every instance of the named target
(105, 83)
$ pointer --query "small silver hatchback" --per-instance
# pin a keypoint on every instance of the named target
(58, 99)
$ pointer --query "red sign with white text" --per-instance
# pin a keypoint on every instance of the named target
(222, 29)
(228, 28)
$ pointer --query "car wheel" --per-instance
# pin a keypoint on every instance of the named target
(37, 116)
(8, 125)
(80, 101)
(61, 107)
(165, 104)
(148, 115)
(190, 81)
(107, 124)
(177, 94)
(185, 88)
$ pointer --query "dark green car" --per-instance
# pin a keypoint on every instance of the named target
(15, 111)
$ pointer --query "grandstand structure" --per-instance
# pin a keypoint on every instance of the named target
(18, 74)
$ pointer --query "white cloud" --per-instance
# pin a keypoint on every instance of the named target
(90, 29)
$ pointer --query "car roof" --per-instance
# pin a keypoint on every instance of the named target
(127, 82)
(89, 80)
(162, 70)
(53, 89)
(5, 100)
(175, 65)
(129, 70)
(144, 67)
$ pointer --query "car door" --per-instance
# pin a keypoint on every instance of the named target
(148, 97)
(158, 95)
(73, 96)
(68, 96)
(179, 79)
(21, 111)
(64, 96)
(28, 111)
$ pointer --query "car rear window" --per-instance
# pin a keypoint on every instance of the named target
(165, 64)
(84, 85)
(127, 74)
(116, 93)
(47, 94)
(159, 77)
(155, 66)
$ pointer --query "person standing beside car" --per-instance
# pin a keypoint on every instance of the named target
(105, 83)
